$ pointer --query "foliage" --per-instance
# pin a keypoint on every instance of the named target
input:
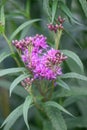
(46, 102)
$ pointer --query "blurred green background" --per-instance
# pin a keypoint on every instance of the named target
(74, 38)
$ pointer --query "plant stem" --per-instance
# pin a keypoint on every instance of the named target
(57, 38)
(52, 88)
(11, 49)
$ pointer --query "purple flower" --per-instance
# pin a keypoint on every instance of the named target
(42, 61)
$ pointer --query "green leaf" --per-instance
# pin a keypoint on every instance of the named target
(26, 106)
(74, 75)
(74, 61)
(56, 118)
(17, 81)
(78, 122)
(22, 26)
(20, 91)
(4, 55)
(56, 105)
(54, 8)
(11, 70)
(84, 6)
(2, 15)
(46, 7)
(70, 35)
(66, 10)
(12, 118)
(2, 2)
(2, 20)
(62, 84)
(74, 91)
(47, 125)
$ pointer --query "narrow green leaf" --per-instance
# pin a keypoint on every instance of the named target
(47, 125)
(17, 81)
(20, 91)
(56, 105)
(74, 91)
(26, 106)
(63, 84)
(2, 2)
(54, 8)
(11, 119)
(74, 75)
(56, 118)
(84, 6)
(78, 122)
(66, 10)
(22, 26)
(3, 56)
(75, 61)
(2, 15)
(70, 35)
(11, 70)
(46, 7)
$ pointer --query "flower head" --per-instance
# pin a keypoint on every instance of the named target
(42, 61)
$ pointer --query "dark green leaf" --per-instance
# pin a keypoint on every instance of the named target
(66, 10)
(84, 6)
(54, 8)
(46, 7)
(74, 91)
(80, 122)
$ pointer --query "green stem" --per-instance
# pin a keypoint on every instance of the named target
(11, 49)
(52, 88)
(57, 38)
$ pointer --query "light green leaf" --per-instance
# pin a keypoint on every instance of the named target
(26, 106)
(63, 84)
(2, 2)
(74, 61)
(4, 55)
(74, 75)
(84, 6)
(22, 26)
(17, 81)
(11, 70)
(56, 105)
(54, 8)
(56, 118)
(2, 15)
(11, 119)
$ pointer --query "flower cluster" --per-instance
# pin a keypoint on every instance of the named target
(42, 61)
(57, 26)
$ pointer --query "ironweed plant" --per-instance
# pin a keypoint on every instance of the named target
(50, 78)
